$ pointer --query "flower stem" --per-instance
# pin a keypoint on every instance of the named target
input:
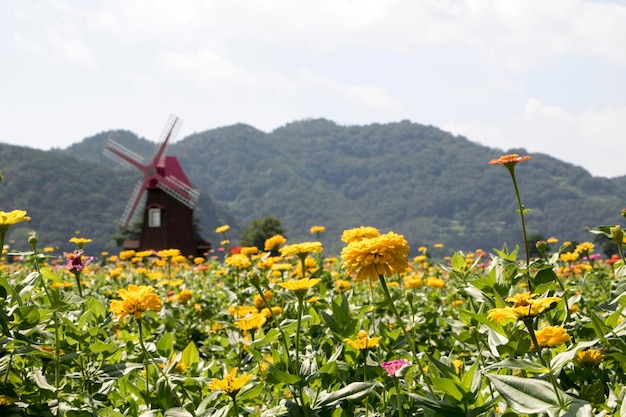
(521, 211)
(234, 398)
(148, 356)
(399, 395)
(533, 337)
(80, 288)
(297, 364)
(383, 284)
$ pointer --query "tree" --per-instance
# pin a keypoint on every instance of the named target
(259, 230)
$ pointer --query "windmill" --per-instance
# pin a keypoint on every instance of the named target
(164, 198)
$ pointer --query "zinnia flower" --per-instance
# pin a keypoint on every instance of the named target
(135, 300)
(6, 400)
(569, 256)
(317, 229)
(435, 282)
(231, 384)
(589, 357)
(80, 241)
(382, 255)
(584, 248)
(238, 260)
(393, 367)
(300, 287)
(242, 311)
(249, 250)
(75, 262)
(301, 249)
(168, 253)
(222, 229)
(363, 341)
(359, 233)
(252, 322)
(342, 285)
(8, 219)
(274, 241)
(524, 307)
(551, 336)
(509, 160)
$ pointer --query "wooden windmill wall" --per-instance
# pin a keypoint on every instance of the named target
(164, 198)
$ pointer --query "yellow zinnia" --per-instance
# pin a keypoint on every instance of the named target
(524, 307)
(222, 229)
(359, 233)
(435, 282)
(569, 256)
(363, 341)
(590, 357)
(551, 336)
(80, 241)
(342, 285)
(274, 241)
(249, 250)
(230, 384)
(135, 300)
(317, 229)
(301, 286)
(301, 249)
(252, 322)
(8, 219)
(238, 260)
(381, 255)
(584, 248)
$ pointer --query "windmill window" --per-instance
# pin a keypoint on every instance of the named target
(154, 217)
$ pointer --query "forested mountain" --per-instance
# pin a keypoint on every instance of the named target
(416, 180)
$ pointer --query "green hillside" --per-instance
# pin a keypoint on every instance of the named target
(414, 179)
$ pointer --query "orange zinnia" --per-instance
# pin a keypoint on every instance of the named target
(511, 159)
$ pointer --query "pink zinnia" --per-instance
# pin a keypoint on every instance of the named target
(393, 367)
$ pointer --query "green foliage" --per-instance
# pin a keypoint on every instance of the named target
(259, 230)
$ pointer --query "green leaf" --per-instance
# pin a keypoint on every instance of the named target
(26, 317)
(448, 387)
(117, 370)
(458, 262)
(276, 376)
(191, 356)
(566, 357)
(254, 391)
(165, 346)
(544, 280)
(441, 408)
(524, 364)
(529, 396)
(351, 392)
(99, 346)
(28, 284)
(269, 337)
(41, 381)
(177, 412)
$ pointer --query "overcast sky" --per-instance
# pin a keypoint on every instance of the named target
(549, 76)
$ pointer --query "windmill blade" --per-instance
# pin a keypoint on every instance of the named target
(179, 190)
(169, 133)
(137, 199)
(123, 155)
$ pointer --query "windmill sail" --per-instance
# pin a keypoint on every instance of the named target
(137, 199)
(122, 155)
(179, 190)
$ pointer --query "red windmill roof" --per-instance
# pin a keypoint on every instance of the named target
(169, 165)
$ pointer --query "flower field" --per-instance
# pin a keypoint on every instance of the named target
(381, 329)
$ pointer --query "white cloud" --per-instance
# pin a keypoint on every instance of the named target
(205, 68)
(591, 137)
